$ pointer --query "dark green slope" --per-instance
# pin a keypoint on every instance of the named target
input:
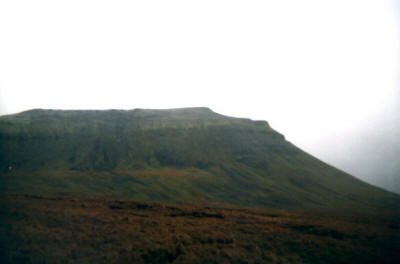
(178, 155)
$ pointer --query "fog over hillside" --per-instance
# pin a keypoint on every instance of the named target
(370, 152)
(329, 85)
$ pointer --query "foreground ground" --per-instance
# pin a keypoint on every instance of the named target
(36, 229)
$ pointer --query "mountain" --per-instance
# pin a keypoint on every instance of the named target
(188, 155)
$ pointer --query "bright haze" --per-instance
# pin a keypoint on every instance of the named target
(323, 73)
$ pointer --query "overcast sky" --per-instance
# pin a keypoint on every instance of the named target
(321, 72)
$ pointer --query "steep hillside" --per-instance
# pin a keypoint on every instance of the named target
(179, 155)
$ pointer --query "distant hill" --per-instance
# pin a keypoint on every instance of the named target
(188, 155)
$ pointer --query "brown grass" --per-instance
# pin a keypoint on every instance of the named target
(36, 229)
(165, 172)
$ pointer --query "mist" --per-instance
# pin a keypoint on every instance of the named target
(370, 152)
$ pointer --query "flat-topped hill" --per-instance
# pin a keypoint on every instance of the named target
(177, 155)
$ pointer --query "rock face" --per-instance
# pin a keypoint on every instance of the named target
(179, 155)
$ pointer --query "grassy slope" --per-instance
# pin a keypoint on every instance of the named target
(180, 155)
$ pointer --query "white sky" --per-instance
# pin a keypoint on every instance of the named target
(318, 71)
